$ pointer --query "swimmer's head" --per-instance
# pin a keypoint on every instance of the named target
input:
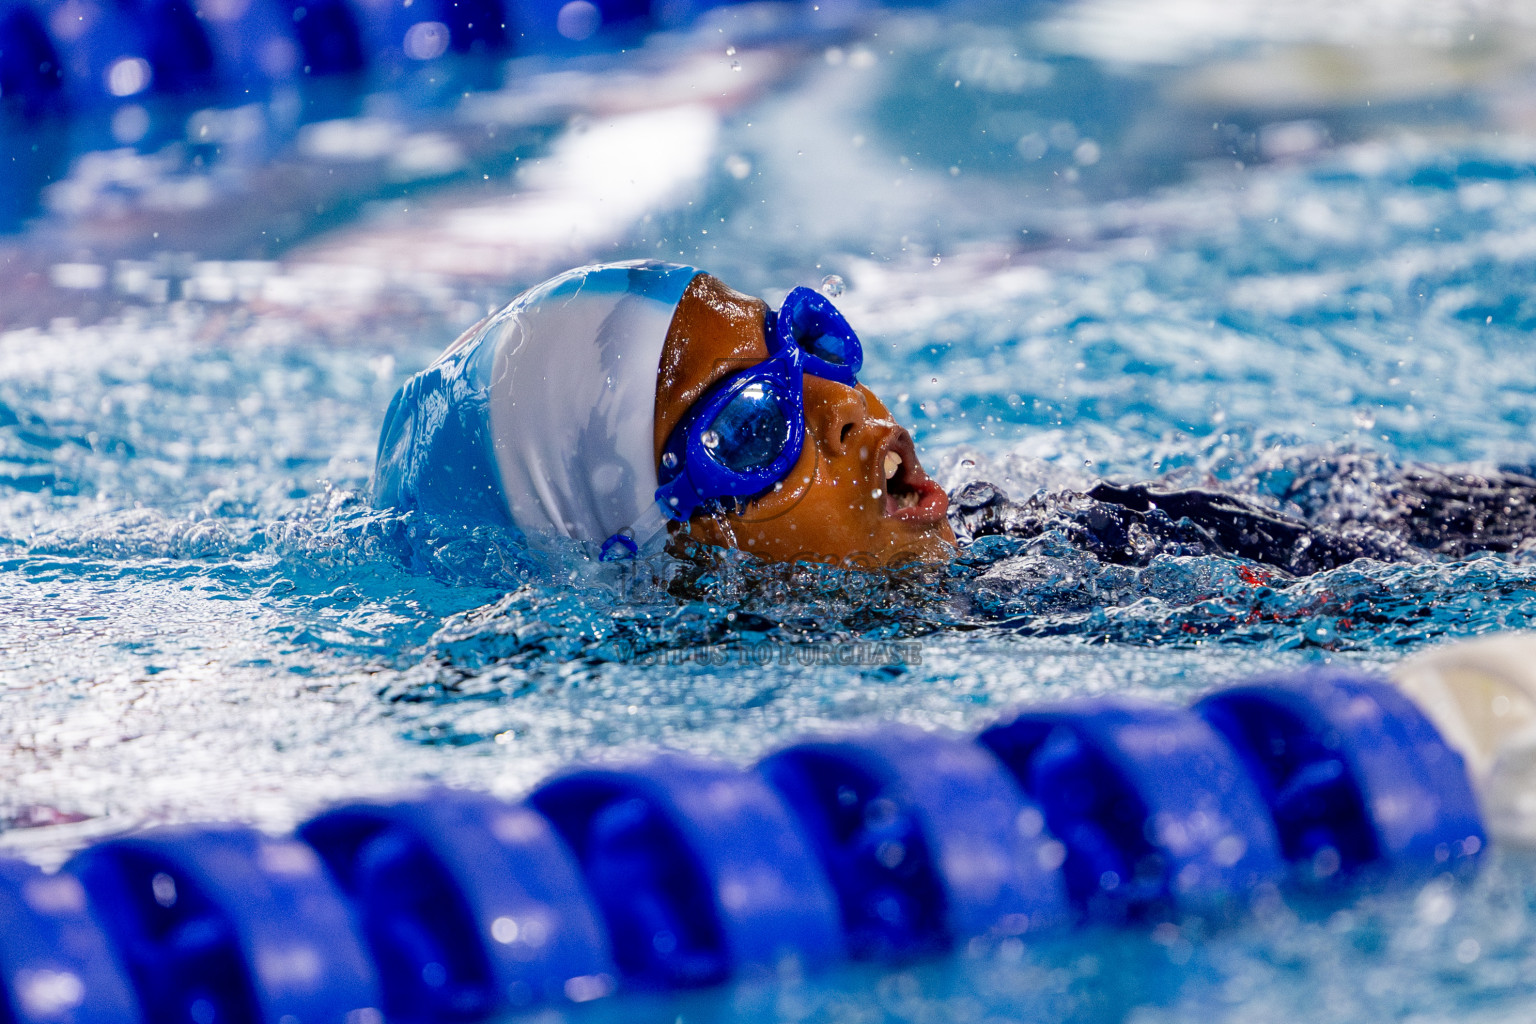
(619, 405)
(766, 442)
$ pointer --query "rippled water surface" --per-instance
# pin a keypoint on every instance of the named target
(1177, 240)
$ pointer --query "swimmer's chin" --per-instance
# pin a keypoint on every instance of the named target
(929, 547)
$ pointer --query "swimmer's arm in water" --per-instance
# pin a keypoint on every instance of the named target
(1455, 513)
(1416, 512)
(1130, 525)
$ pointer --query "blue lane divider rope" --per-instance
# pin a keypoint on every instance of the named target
(471, 906)
(680, 872)
(102, 52)
(925, 839)
(1352, 771)
(1158, 813)
(31, 75)
(223, 924)
(181, 58)
(699, 870)
(55, 961)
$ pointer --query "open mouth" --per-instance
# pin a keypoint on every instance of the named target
(909, 494)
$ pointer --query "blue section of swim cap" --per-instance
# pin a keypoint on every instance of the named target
(1352, 770)
(47, 931)
(1158, 814)
(661, 282)
(435, 453)
(926, 838)
(222, 923)
(471, 906)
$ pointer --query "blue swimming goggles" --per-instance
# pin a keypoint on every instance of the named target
(746, 433)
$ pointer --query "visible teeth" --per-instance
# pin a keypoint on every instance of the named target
(908, 500)
(892, 464)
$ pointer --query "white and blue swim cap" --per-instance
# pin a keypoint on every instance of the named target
(542, 416)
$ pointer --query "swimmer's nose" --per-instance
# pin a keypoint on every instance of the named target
(833, 413)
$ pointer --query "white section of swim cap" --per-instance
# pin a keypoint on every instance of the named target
(573, 402)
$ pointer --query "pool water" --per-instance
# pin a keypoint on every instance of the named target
(1186, 240)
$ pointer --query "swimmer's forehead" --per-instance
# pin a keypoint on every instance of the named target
(715, 332)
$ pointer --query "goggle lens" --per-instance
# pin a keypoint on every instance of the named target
(819, 331)
(827, 347)
(750, 432)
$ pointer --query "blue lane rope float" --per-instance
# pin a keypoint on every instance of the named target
(223, 924)
(680, 872)
(180, 56)
(1158, 814)
(328, 35)
(255, 45)
(397, 33)
(925, 838)
(700, 871)
(471, 906)
(102, 52)
(30, 74)
(1352, 771)
(55, 961)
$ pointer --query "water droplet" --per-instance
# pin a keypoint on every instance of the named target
(735, 65)
(967, 462)
(832, 286)
(711, 439)
(730, 51)
(669, 460)
(1365, 419)
(738, 166)
(937, 260)
(877, 493)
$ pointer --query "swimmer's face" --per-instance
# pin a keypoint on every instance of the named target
(857, 493)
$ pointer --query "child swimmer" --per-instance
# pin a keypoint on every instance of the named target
(627, 405)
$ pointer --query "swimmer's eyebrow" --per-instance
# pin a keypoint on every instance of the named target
(724, 367)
